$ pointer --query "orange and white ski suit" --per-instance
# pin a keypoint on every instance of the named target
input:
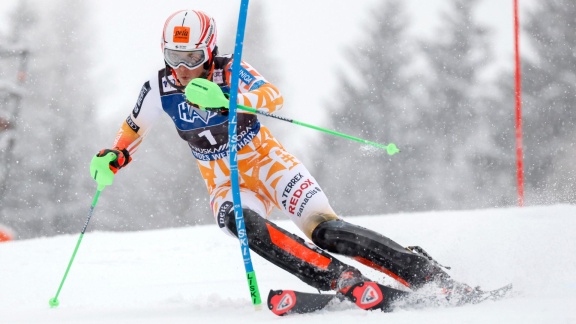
(269, 175)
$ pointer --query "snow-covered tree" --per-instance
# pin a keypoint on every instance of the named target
(46, 192)
(432, 103)
(457, 111)
(374, 102)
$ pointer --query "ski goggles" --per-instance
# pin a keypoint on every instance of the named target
(190, 59)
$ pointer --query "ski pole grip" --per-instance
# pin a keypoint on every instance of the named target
(100, 169)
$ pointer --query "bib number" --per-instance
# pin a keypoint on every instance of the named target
(208, 136)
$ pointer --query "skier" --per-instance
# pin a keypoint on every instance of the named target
(270, 177)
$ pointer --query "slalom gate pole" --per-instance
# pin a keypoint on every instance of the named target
(518, 110)
(234, 178)
(391, 148)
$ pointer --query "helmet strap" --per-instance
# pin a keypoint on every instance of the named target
(174, 85)
(208, 64)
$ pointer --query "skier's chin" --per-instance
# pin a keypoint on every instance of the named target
(185, 81)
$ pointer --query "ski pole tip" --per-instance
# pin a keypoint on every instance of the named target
(53, 302)
(392, 149)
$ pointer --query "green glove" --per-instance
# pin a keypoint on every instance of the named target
(205, 94)
(101, 167)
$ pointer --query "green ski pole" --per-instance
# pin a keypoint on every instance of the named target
(210, 96)
(101, 172)
(391, 148)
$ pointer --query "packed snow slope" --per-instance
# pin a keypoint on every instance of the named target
(196, 274)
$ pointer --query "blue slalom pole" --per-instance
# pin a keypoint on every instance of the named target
(232, 142)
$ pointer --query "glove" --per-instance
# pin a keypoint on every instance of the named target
(122, 158)
(106, 163)
(205, 94)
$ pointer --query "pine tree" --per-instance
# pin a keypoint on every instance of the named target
(13, 59)
(374, 102)
(432, 104)
(48, 180)
(457, 111)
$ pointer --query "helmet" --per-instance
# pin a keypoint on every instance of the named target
(189, 39)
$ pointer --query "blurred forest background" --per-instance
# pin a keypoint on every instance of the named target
(435, 99)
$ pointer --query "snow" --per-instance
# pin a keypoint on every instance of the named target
(196, 274)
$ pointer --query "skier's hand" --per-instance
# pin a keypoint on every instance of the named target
(205, 94)
(106, 163)
(120, 159)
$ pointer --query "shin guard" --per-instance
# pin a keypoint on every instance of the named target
(288, 251)
(376, 251)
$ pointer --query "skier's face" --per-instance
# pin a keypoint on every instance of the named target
(185, 75)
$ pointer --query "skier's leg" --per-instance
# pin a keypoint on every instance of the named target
(299, 196)
(289, 252)
(264, 164)
(377, 251)
(302, 199)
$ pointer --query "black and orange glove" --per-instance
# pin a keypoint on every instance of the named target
(122, 158)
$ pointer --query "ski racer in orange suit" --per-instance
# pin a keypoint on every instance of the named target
(270, 177)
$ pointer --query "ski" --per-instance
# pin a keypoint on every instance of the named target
(366, 295)
(371, 295)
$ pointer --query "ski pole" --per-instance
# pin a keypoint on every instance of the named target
(208, 95)
(104, 177)
(391, 148)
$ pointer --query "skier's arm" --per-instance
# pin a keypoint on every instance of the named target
(146, 111)
(255, 91)
(135, 126)
(127, 138)
(266, 98)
